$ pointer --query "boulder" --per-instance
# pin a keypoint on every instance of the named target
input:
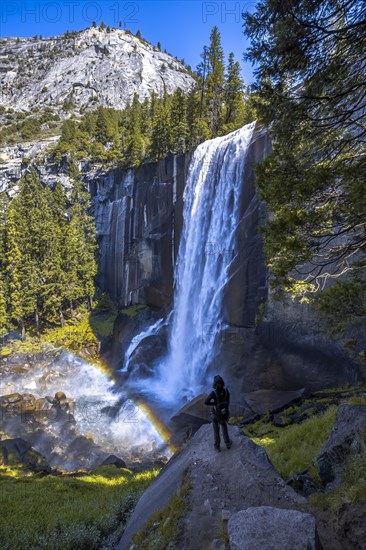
(268, 528)
(192, 415)
(10, 398)
(150, 350)
(60, 395)
(19, 452)
(263, 401)
(113, 460)
(346, 438)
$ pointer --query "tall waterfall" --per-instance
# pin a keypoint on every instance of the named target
(207, 248)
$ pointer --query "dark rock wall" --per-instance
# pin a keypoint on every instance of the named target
(138, 217)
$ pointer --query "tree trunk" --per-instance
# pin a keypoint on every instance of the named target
(37, 320)
(62, 321)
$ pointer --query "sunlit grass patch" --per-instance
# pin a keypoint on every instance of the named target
(293, 448)
(64, 512)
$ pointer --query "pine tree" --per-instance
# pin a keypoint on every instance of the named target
(160, 135)
(105, 126)
(32, 233)
(202, 73)
(178, 122)
(314, 180)
(80, 247)
(55, 275)
(197, 125)
(215, 80)
(3, 305)
(13, 272)
(135, 147)
(233, 97)
(3, 225)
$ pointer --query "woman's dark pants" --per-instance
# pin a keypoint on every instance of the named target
(225, 434)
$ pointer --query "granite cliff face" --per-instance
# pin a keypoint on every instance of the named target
(85, 69)
(138, 216)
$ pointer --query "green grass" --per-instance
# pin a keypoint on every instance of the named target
(67, 513)
(293, 448)
(353, 488)
(162, 530)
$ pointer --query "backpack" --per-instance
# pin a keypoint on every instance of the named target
(222, 407)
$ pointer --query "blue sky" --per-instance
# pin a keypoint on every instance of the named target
(182, 27)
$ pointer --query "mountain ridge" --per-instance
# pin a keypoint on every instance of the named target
(84, 70)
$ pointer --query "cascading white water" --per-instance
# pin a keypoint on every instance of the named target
(151, 330)
(207, 247)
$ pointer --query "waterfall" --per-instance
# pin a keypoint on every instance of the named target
(207, 248)
(151, 330)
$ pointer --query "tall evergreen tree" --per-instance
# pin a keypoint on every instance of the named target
(55, 264)
(197, 125)
(178, 122)
(160, 135)
(105, 126)
(233, 96)
(13, 272)
(3, 305)
(215, 80)
(135, 146)
(81, 246)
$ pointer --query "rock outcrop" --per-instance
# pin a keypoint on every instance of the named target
(346, 439)
(221, 485)
(86, 69)
(271, 528)
(19, 453)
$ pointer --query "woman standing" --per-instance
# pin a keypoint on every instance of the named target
(219, 399)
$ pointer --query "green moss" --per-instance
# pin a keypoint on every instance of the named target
(235, 420)
(293, 448)
(103, 316)
(62, 512)
(133, 310)
(162, 529)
